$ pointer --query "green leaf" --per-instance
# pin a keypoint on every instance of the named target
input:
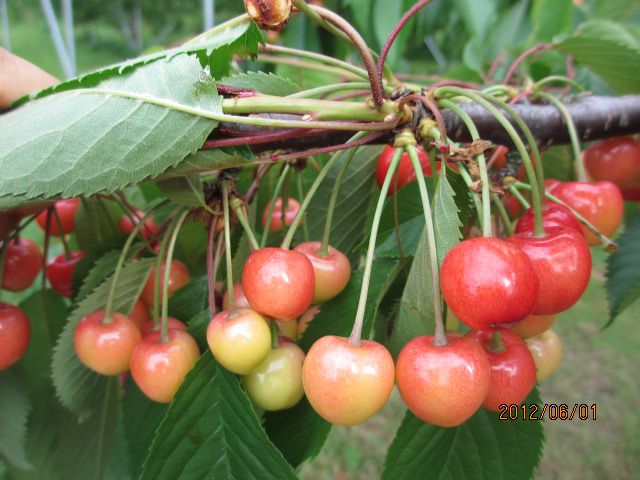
(265, 83)
(78, 387)
(623, 271)
(613, 59)
(558, 163)
(118, 466)
(478, 15)
(211, 431)
(101, 269)
(447, 225)
(184, 191)
(96, 223)
(551, 18)
(190, 300)
(14, 410)
(81, 142)
(192, 245)
(482, 447)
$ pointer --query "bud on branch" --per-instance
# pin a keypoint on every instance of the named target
(269, 14)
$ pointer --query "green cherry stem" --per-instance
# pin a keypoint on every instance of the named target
(506, 221)
(164, 333)
(157, 285)
(300, 187)
(557, 79)
(516, 193)
(227, 244)
(211, 251)
(272, 205)
(326, 89)
(275, 333)
(63, 240)
(288, 239)
(440, 338)
(356, 333)
(236, 206)
(573, 135)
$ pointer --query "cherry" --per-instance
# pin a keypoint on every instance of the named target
(66, 213)
(240, 339)
(600, 203)
(332, 271)
(553, 215)
(159, 368)
(550, 184)
(15, 333)
(277, 382)
(149, 229)
(306, 317)
(546, 350)
(443, 385)
(278, 283)
(347, 384)
(501, 157)
(239, 298)
(632, 193)
(488, 283)
(290, 213)
(106, 347)
(533, 325)
(60, 272)
(513, 372)
(178, 277)
(405, 172)
(140, 314)
(616, 160)
(172, 324)
(22, 264)
(562, 261)
(513, 205)
(8, 222)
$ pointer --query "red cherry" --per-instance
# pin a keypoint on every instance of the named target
(550, 184)
(279, 283)
(60, 272)
(22, 264)
(546, 350)
(347, 384)
(533, 325)
(616, 160)
(631, 194)
(160, 368)
(106, 347)
(149, 229)
(513, 372)
(501, 157)
(488, 283)
(562, 261)
(513, 205)
(140, 314)
(553, 215)
(15, 333)
(8, 222)
(332, 271)
(178, 277)
(172, 324)
(600, 203)
(66, 213)
(239, 298)
(405, 172)
(276, 219)
(443, 385)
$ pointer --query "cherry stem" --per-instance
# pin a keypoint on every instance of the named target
(164, 323)
(433, 108)
(474, 195)
(227, 244)
(327, 89)
(516, 193)
(65, 245)
(326, 233)
(396, 215)
(116, 274)
(394, 34)
(557, 79)
(440, 338)
(157, 285)
(211, 281)
(356, 333)
(573, 135)
(272, 205)
(305, 65)
(506, 221)
(251, 192)
(275, 333)
(286, 243)
(104, 209)
(484, 176)
(47, 242)
(522, 57)
(255, 140)
(285, 197)
(236, 206)
(496, 344)
(300, 187)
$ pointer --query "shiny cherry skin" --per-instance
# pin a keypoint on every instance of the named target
(533, 325)
(276, 224)
(139, 314)
(553, 215)
(306, 318)
(347, 384)
(60, 272)
(405, 172)
(22, 265)
(159, 368)
(66, 213)
(277, 382)
(546, 350)
(150, 328)
(332, 271)
(240, 339)
(616, 160)
(279, 283)
(239, 298)
(550, 184)
(106, 347)
(15, 333)
(600, 203)
(445, 385)
(513, 372)
(178, 278)
(488, 283)
(149, 229)
(562, 261)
